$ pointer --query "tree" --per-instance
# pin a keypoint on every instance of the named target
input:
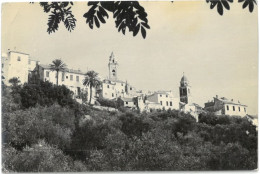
(91, 80)
(14, 81)
(57, 65)
(127, 14)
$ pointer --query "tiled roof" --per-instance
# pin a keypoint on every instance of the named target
(226, 101)
(127, 99)
(67, 70)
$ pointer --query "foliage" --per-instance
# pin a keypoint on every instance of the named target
(127, 14)
(91, 80)
(80, 138)
(107, 102)
(57, 65)
(40, 157)
(45, 94)
(54, 124)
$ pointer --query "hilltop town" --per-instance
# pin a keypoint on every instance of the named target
(20, 65)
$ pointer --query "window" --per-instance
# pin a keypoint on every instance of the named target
(170, 103)
(239, 109)
(161, 102)
(18, 58)
(122, 84)
(245, 109)
(130, 88)
(126, 103)
(167, 103)
(112, 94)
(166, 96)
(2, 65)
(47, 74)
(234, 108)
(107, 86)
(77, 78)
(160, 95)
(227, 107)
(71, 77)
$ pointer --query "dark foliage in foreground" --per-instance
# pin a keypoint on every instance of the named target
(128, 15)
(74, 138)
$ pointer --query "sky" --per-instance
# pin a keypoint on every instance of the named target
(218, 54)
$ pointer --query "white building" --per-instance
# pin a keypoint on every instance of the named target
(17, 64)
(113, 88)
(72, 79)
(223, 106)
(164, 98)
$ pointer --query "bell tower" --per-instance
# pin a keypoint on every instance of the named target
(185, 93)
(112, 66)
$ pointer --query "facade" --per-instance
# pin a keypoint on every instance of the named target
(128, 102)
(72, 79)
(164, 98)
(17, 64)
(223, 106)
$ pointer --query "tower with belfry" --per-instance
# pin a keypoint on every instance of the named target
(112, 67)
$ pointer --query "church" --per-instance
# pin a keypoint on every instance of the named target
(112, 87)
(186, 104)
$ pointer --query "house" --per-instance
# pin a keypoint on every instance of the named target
(72, 79)
(223, 106)
(164, 98)
(17, 64)
(128, 102)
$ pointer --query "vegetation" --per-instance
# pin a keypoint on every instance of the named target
(57, 65)
(127, 14)
(65, 137)
(91, 80)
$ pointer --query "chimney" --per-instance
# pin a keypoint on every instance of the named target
(216, 96)
(232, 99)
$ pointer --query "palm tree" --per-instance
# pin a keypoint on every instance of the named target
(57, 65)
(91, 80)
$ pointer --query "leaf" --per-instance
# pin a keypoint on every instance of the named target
(241, 0)
(213, 4)
(251, 7)
(245, 4)
(143, 32)
(100, 17)
(103, 12)
(220, 8)
(96, 21)
(145, 25)
(225, 4)
(136, 30)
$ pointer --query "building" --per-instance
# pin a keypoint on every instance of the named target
(112, 87)
(17, 64)
(128, 102)
(72, 79)
(186, 104)
(223, 106)
(164, 98)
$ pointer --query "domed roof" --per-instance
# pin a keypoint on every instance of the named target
(184, 78)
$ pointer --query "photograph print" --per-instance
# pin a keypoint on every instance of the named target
(129, 86)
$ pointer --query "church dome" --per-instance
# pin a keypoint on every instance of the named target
(184, 80)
